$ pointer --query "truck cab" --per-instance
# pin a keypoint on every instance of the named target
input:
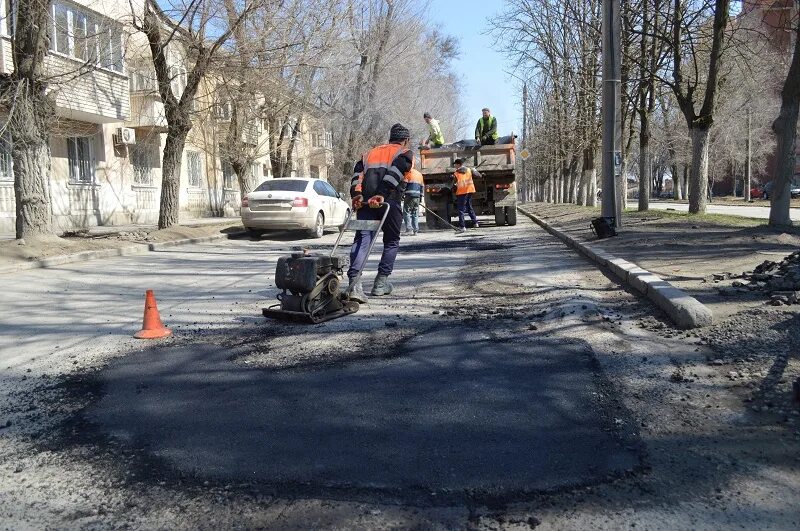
(495, 191)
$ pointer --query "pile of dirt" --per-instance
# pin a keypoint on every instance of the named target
(780, 279)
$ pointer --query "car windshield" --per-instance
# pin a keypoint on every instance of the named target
(283, 185)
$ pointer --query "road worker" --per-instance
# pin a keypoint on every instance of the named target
(435, 136)
(464, 187)
(380, 177)
(415, 187)
(486, 130)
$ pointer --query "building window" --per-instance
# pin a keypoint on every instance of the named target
(6, 162)
(228, 177)
(223, 111)
(265, 170)
(322, 140)
(178, 78)
(80, 35)
(195, 168)
(314, 170)
(81, 159)
(254, 171)
(144, 158)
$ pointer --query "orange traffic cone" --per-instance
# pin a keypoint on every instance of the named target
(152, 327)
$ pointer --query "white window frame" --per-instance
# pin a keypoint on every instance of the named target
(98, 30)
(194, 169)
(81, 171)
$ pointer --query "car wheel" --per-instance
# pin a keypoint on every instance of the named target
(319, 227)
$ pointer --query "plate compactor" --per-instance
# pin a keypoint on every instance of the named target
(311, 281)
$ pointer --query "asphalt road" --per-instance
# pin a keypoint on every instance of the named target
(759, 212)
(443, 410)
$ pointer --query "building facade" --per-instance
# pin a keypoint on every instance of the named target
(109, 130)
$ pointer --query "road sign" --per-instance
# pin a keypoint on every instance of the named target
(525, 154)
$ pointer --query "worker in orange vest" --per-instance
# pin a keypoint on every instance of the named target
(415, 187)
(380, 177)
(464, 187)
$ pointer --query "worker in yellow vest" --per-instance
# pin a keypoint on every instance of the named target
(486, 129)
(464, 187)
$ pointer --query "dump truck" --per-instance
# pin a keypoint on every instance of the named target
(495, 192)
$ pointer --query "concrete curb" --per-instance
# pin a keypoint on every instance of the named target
(684, 310)
(129, 250)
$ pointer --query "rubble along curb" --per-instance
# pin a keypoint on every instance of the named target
(684, 310)
(129, 250)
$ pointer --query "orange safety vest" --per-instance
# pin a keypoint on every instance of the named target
(415, 184)
(378, 167)
(464, 184)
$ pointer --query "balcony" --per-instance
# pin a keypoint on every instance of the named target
(147, 112)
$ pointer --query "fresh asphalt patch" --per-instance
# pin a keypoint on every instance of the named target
(456, 415)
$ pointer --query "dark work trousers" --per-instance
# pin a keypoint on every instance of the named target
(488, 142)
(391, 239)
(464, 204)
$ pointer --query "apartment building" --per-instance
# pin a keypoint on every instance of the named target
(109, 132)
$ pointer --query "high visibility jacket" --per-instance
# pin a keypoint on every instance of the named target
(463, 181)
(415, 185)
(486, 127)
(381, 171)
(435, 133)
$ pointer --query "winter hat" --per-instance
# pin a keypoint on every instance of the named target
(398, 133)
(427, 115)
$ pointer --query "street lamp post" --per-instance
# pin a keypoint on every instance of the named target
(612, 127)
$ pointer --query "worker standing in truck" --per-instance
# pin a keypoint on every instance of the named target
(486, 130)
(435, 136)
(380, 177)
(464, 187)
(415, 187)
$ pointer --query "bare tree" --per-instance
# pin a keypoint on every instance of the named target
(785, 128)
(30, 112)
(687, 42)
(197, 23)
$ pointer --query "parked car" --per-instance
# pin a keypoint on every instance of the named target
(766, 191)
(794, 191)
(294, 204)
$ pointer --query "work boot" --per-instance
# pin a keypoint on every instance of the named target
(382, 286)
(357, 292)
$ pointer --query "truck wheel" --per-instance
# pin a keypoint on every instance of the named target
(499, 216)
(511, 216)
(430, 221)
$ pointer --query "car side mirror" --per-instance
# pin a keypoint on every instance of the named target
(338, 195)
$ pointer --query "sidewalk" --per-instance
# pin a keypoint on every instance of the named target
(107, 241)
(758, 210)
(698, 254)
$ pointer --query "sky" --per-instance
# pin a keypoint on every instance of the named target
(485, 83)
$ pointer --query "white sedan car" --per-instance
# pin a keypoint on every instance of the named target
(294, 204)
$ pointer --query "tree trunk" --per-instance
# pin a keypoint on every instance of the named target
(29, 113)
(30, 152)
(748, 163)
(645, 176)
(698, 176)
(592, 200)
(171, 179)
(785, 128)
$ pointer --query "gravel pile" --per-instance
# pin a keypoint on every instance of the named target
(780, 279)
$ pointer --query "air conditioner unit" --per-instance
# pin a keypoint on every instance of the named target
(125, 136)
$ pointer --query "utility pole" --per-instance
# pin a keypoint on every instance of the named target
(524, 137)
(612, 126)
(748, 158)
